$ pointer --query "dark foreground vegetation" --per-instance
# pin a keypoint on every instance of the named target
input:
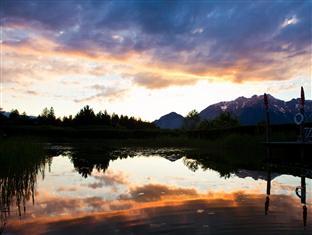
(87, 124)
(221, 139)
(21, 160)
(85, 117)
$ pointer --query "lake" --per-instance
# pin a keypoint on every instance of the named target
(151, 191)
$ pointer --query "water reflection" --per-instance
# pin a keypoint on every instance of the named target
(128, 192)
(18, 177)
(268, 192)
(301, 193)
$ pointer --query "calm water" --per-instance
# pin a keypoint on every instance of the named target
(151, 192)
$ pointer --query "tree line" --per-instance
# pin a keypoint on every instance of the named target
(85, 117)
(225, 120)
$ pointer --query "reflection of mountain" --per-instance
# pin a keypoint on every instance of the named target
(173, 158)
(227, 164)
(85, 159)
(256, 175)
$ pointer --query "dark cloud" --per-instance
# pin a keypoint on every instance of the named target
(199, 37)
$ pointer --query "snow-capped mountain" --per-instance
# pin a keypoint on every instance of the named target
(249, 111)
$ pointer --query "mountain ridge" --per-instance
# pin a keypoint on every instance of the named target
(249, 111)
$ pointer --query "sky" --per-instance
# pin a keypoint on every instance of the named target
(148, 58)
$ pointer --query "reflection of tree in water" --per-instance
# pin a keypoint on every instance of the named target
(85, 160)
(84, 165)
(18, 177)
(228, 164)
(223, 169)
(2, 222)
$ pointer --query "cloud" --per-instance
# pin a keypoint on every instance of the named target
(104, 92)
(156, 81)
(229, 40)
(31, 92)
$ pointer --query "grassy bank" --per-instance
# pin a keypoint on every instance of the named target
(233, 146)
(21, 160)
(18, 148)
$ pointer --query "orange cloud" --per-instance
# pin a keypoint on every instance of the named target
(226, 208)
(152, 75)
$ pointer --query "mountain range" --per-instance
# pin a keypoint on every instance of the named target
(249, 111)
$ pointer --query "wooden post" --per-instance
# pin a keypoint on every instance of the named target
(268, 192)
(302, 136)
(302, 100)
(267, 119)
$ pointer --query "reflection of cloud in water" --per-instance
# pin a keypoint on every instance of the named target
(66, 189)
(172, 201)
(177, 209)
(154, 192)
(109, 178)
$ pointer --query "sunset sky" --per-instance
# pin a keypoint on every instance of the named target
(148, 58)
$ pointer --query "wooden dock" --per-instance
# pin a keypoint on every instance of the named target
(305, 138)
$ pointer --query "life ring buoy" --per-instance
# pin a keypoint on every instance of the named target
(299, 118)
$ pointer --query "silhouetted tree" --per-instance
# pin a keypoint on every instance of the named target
(224, 120)
(103, 118)
(47, 117)
(14, 115)
(192, 120)
(115, 120)
(85, 116)
(3, 118)
(67, 121)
